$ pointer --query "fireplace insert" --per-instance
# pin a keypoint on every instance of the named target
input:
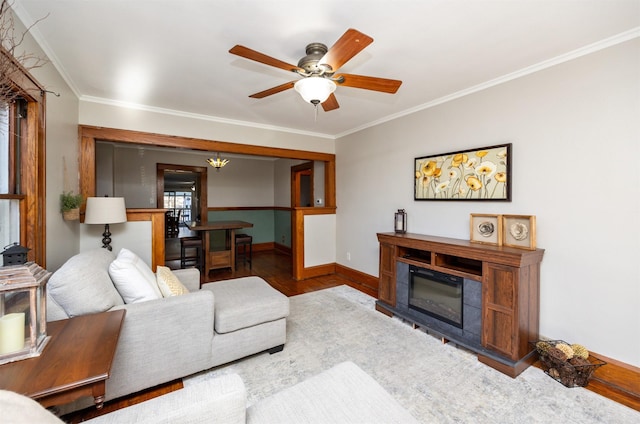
(436, 294)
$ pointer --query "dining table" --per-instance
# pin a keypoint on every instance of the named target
(217, 259)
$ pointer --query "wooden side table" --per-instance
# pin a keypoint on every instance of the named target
(76, 362)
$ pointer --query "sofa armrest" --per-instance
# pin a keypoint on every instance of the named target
(216, 400)
(189, 277)
(162, 340)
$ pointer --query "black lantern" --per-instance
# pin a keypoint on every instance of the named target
(14, 254)
(400, 224)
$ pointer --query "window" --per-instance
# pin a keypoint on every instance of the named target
(11, 119)
(22, 170)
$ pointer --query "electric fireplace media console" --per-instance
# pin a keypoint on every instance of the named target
(479, 296)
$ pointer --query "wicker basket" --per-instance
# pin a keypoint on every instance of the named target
(71, 214)
(563, 371)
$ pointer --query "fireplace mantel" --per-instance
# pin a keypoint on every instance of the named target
(510, 280)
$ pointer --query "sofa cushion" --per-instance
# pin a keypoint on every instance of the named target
(168, 283)
(82, 285)
(133, 278)
(245, 302)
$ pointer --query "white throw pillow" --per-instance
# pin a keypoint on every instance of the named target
(133, 278)
(168, 283)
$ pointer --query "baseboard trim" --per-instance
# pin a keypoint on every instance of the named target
(364, 282)
(282, 248)
(317, 271)
(617, 381)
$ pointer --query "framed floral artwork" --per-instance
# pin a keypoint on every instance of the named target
(519, 231)
(479, 174)
(486, 228)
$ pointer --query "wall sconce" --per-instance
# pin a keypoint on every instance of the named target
(217, 162)
(400, 224)
(23, 311)
(105, 210)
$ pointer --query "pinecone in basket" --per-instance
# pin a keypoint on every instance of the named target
(556, 355)
(578, 361)
(566, 349)
(543, 347)
(580, 351)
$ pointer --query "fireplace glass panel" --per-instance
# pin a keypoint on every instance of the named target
(436, 294)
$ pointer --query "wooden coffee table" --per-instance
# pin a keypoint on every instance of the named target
(75, 362)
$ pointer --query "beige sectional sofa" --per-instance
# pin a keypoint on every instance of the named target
(344, 394)
(167, 338)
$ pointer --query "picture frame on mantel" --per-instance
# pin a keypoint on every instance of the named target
(486, 229)
(477, 174)
(519, 231)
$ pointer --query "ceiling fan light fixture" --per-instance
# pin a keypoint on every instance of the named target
(315, 90)
(217, 162)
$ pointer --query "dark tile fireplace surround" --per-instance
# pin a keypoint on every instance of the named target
(467, 336)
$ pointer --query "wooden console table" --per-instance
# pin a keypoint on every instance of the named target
(510, 280)
(76, 362)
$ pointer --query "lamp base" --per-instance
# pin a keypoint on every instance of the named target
(106, 238)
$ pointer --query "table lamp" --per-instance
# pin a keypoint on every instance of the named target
(105, 210)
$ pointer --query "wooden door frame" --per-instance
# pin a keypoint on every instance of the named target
(200, 170)
(297, 170)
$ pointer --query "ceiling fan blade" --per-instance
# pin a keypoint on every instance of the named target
(248, 53)
(368, 83)
(331, 103)
(273, 90)
(350, 44)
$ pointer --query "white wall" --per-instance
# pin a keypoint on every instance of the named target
(575, 130)
(319, 240)
(185, 125)
(243, 182)
(135, 236)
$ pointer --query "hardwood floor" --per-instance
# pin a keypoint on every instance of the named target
(273, 266)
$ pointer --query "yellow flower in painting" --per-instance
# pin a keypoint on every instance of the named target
(461, 191)
(482, 153)
(501, 177)
(418, 174)
(474, 183)
(425, 181)
(429, 168)
(458, 159)
(502, 154)
(486, 168)
(437, 172)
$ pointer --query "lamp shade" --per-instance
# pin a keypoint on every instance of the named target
(315, 89)
(105, 210)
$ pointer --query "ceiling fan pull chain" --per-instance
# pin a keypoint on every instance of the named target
(315, 118)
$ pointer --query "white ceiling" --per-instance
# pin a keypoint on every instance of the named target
(173, 55)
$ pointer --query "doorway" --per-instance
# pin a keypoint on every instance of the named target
(302, 185)
(183, 190)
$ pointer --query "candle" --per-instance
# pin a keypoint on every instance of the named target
(11, 332)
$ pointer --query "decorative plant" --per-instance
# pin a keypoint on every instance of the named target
(69, 201)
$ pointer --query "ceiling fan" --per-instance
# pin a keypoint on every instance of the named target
(318, 70)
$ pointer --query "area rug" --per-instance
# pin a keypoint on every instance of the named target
(436, 382)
